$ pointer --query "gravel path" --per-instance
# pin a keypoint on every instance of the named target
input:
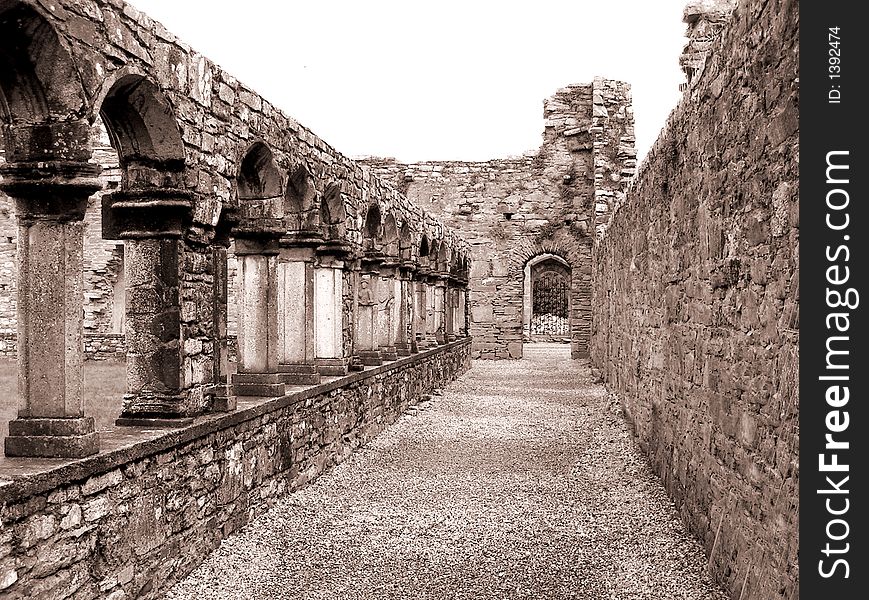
(521, 481)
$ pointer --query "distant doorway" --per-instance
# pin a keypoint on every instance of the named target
(546, 305)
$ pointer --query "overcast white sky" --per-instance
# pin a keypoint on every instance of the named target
(453, 79)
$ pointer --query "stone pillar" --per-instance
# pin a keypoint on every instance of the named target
(462, 311)
(256, 246)
(50, 202)
(151, 223)
(450, 312)
(405, 330)
(366, 343)
(223, 397)
(440, 289)
(388, 300)
(296, 315)
(328, 311)
(421, 309)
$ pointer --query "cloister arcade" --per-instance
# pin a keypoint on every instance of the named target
(336, 270)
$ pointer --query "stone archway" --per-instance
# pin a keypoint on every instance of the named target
(563, 255)
(546, 299)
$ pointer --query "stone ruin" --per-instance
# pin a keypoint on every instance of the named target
(203, 163)
(678, 278)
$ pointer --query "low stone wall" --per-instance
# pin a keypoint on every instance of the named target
(97, 346)
(696, 304)
(132, 520)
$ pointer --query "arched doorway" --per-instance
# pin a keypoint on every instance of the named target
(546, 303)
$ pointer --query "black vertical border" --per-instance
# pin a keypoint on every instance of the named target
(826, 127)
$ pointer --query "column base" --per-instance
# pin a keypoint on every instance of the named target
(223, 400)
(153, 410)
(299, 374)
(52, 438)
(451, 338)
(389, 353)
(332, 367)
(403, 349)
(371, 358)
(258, 384)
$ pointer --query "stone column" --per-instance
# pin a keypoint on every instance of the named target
(223, 397)
(296, 351)
(388, 301)
(462, 310)
(405, 330)
(450, 311)
(366, 344)
(151, 223)
(50, 202)
(421, 309)
(329, 310)
(440, 289)
(256, 246)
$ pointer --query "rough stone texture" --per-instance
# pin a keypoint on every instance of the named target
(696, 304)
(136, 520)
(512, 210)
(705, 20)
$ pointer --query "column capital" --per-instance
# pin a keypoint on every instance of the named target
(305, 239)
(146, 213)
(334, 248)
(51, 190)
(258, 235)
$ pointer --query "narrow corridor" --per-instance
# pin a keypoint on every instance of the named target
(521, 481)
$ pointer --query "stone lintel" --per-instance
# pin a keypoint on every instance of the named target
(146, 213)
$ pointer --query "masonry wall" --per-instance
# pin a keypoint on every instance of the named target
(511, 210)
(131, 522)
(696, 307)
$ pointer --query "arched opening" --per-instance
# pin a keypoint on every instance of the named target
(300, 202)
(39, 83)
(259, 185)
(424, 250)
(150, 212)
(143, 130)
(546, 299)
(372, 230)
(332, 214)
(390, 237)
(405, 242)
